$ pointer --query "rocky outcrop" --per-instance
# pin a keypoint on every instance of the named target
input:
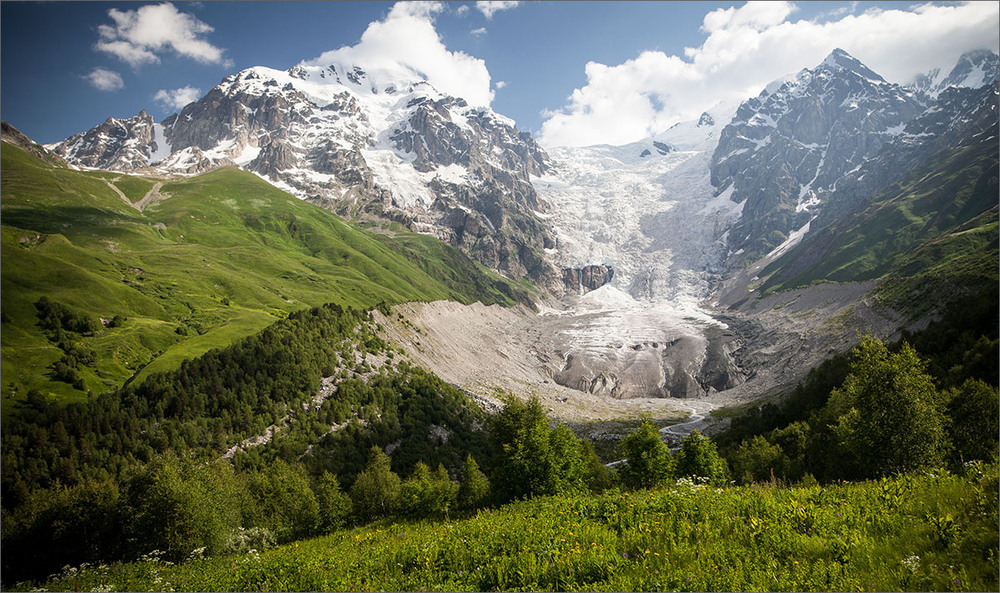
(797, 139)
(14, 136)
(117, 144)
(683, 365)
(583, 280)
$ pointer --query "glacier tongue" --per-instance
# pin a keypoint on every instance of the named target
(654, 217)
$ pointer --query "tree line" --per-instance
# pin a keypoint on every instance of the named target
(179, 506)
(927, 401)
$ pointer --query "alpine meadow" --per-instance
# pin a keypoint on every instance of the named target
(500, 296)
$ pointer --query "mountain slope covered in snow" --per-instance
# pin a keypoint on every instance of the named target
(362, 143)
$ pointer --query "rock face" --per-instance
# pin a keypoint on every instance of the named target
(361, 143)
(14, 136)
(117, 144)
(588, 278)
(799, 138)
(959, 117)
(788, 150)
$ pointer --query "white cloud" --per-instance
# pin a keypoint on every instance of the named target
(137, 36)
(479, 31)
(105, 80)
(177, 99)
(462, 10)
(490, 8)
(407, 42)
(748, 47)
(500, 84)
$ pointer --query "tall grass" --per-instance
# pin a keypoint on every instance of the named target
(934, 532)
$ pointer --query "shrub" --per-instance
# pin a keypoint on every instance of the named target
(755, 460)
(698, 457)
(533, 459)
(376, 490)
(177, 507)
(334, 504)
(474, 489)
(283, 502)
(973, 418)
(648, 461)
(893, 423)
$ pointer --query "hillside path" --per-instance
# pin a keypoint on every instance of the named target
(115, 189)
(152, 196)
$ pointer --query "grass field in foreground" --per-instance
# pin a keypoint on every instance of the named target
(925, 533)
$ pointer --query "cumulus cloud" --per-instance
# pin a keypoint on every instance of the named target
(406, 41)
(105, 80)
(492, 7)
(748, 47)
(177, 99)
(138, 36)
(500, 84)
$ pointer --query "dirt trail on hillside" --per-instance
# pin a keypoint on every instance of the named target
(115, 189)
(152, 196)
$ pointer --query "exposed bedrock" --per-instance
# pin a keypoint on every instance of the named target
(588, 278)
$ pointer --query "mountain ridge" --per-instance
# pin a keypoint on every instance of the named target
(386, 148)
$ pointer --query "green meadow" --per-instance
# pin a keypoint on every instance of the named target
(929, 532)
(222, 257)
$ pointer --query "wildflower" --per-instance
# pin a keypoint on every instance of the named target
(911, 563)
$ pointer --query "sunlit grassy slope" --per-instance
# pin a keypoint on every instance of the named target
(935, 232)
(225, 255)
(924, 533)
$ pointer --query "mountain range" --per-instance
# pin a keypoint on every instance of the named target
(628, 245)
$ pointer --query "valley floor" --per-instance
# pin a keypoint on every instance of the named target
(621, 356)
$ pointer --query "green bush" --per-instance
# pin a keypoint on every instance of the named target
(178, 507)
(531, 458)
(425, 495)
(973, 418)
(334, 504)
(893, 422)
(375, 492)
(698, 457)
(283, 502)
(755, 460)
(647, 457)
(474, 489)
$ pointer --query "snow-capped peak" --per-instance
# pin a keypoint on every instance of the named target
(841, 60)
(974, 69)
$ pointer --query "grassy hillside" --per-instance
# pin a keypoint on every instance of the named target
(926, 533)
(224, 255)
(935, 232)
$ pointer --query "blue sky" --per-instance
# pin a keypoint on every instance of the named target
(571, 73)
